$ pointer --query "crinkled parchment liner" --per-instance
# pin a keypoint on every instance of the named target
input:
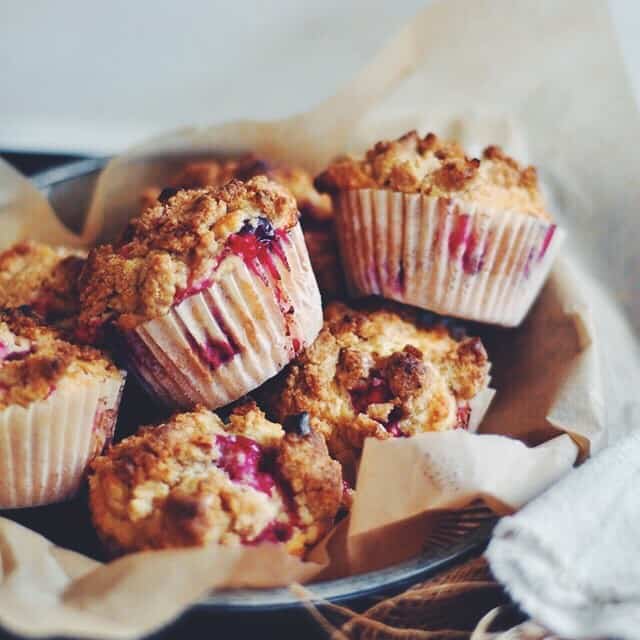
(547, 372)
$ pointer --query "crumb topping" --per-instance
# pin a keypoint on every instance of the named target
(42, 277)
(195, 480)
(35, 360)
(438, 168)
(177, 242)
(313, 206)
(381, 374)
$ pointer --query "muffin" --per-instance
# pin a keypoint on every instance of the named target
(207, 294)
(315, 208)
(195, 481)
(58, 406)
(41, 277)
(420, 222)
(384, 373)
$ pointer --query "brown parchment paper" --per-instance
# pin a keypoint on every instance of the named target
(544, 80)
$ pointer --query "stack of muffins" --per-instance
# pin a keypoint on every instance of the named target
(211, 293)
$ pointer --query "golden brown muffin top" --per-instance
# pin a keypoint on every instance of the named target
(34, 360)
(174, 245)
(381, 373)
(439, 168)
(313, 206)
(194, 481)
(42, 277)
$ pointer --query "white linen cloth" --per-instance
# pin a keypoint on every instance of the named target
(571, 558)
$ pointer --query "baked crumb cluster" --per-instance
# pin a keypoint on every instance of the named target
(35, 360)
(174, 245)
(41, 277)
(380, 374)
(438, 168)
(313, 206)
(194, 481)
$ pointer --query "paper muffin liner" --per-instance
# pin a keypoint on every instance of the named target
(46, 446)
(226, 340)
(441, 254)
(479, 405)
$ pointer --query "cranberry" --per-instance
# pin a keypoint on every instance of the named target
(462, 236)
(463, 415)
(7, 354)
(547, 241)
(459, 233)
(472, 262)
(394, 429)
(376, 392)
(393, 423)
(214, 352)
(242, 459)
(254, 245)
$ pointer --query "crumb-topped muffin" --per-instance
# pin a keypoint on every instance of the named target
(194, 481)
(213, 173)
(422, 223)
(439, 168)
(210, 288)
(42, 277)
(315, 208)
(174, 249)
(58, 405)
(382, 373)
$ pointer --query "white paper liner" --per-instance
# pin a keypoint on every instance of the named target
(239, 309)
(444, 255)
(479, 405)
(46, 446)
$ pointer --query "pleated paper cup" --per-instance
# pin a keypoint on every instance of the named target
(223, 342)
(444, 255)
(45, 447)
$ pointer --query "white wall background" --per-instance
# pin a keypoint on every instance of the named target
(89, 76)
